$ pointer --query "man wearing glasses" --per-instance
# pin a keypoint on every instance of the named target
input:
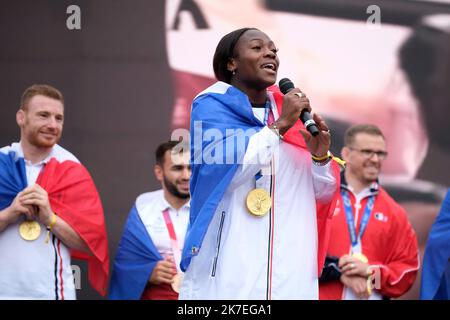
(373, 250)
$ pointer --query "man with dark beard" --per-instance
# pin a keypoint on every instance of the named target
(148, 258)
(44, 186)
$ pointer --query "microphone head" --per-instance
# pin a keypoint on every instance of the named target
(285, 85)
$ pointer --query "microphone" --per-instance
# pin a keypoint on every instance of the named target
(287, 85)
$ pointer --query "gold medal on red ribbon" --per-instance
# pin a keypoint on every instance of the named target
(176, 282)
(30, 230)
(258, 202)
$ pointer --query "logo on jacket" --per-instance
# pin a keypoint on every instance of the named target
(381, 217)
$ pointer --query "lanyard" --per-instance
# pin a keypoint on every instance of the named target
(173, 238)
(356, 239)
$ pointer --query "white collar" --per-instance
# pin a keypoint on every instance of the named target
(366, 192)
(163, 204)
(17, 148)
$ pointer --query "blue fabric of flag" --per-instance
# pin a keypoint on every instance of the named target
(222, 123)
(13, 178)
(436, 274)
(135, 260)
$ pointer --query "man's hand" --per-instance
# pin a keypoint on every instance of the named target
(163, 272)
(35, 195)
(15, 211)
(357, 284)
(18, 208)
(351, 266)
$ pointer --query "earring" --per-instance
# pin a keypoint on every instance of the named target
(233, 72)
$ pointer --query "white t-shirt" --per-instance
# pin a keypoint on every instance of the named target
(150, 206)
(34, 269)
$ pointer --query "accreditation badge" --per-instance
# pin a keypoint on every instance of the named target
(258, 202)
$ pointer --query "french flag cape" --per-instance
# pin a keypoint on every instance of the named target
(223, 107)
(436, 261)
(135, 260)
(73, 197)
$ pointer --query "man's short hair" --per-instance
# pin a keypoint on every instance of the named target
(178, 146)
(351, 132)
(40, 89)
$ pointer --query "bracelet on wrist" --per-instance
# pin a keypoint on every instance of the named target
(322, 161)
(52, 222)
(50, 226)
(323, 158)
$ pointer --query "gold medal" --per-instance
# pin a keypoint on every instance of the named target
(258, 202)
(176, 282)
(360, 257)
(30, 230)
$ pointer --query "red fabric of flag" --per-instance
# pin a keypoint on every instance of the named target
(74, 198)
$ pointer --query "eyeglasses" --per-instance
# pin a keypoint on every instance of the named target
(368, 153)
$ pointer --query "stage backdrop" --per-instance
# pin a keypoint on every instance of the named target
(130, 73)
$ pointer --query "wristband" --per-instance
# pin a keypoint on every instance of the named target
(50, 226)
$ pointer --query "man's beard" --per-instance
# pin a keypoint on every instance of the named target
(35, 140)
(172, 188)
(41, 143)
